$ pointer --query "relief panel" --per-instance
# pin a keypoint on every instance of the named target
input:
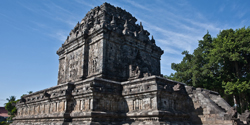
(153, 102)
(74, 65)
(77, 105)
(95, 58)
(47, 108)
(42, 108)
(51, 107)
(37, 110)
(61, 106)
(24, 111)
(61, 72)
(146, 103)
(32, 110)
(130, 105)
(87, 105)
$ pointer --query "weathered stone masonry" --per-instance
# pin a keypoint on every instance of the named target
(109, 73)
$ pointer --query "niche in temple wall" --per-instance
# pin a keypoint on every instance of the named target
(95, 58)
(74, 65)
(61, 72)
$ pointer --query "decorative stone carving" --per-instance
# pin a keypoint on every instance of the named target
(22, 100)
(177, 87)
(134, 73)
(109, 73)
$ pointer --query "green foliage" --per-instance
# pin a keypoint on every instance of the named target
(221, 64)
(30, 92)
(10, 107)
(4, 123)
(233, 88)
(12, 98)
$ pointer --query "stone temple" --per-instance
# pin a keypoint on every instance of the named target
(109, 73)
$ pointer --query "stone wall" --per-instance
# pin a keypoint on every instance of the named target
(109, 73)
(148, 100)
(48, 106)
(108, 44)
(126, 58)
(81, 59)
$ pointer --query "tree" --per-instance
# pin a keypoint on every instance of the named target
(12, 98)
(221, 64)
(232, 53)
(184, 72)
(10, 107)
(30, 92)
(193, 69)
(3, 123)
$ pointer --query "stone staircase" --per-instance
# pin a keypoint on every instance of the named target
(220, 102)
(213, 106)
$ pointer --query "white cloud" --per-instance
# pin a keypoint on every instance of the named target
(241, 14)
(85, 3)
(13, 22)
(176, 40)
(203, 25)
(58, 9)
(61, 35)
(222, 7)
(138, 5)
(54, 12)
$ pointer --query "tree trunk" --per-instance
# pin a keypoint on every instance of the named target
(237, 69)
(241, 103)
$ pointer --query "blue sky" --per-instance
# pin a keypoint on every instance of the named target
(32, 31)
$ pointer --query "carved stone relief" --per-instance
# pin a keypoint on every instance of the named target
(61, 73)
(74, 65)
(134, 72)
(94, 58)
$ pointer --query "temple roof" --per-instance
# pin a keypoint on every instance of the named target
(109, 17)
